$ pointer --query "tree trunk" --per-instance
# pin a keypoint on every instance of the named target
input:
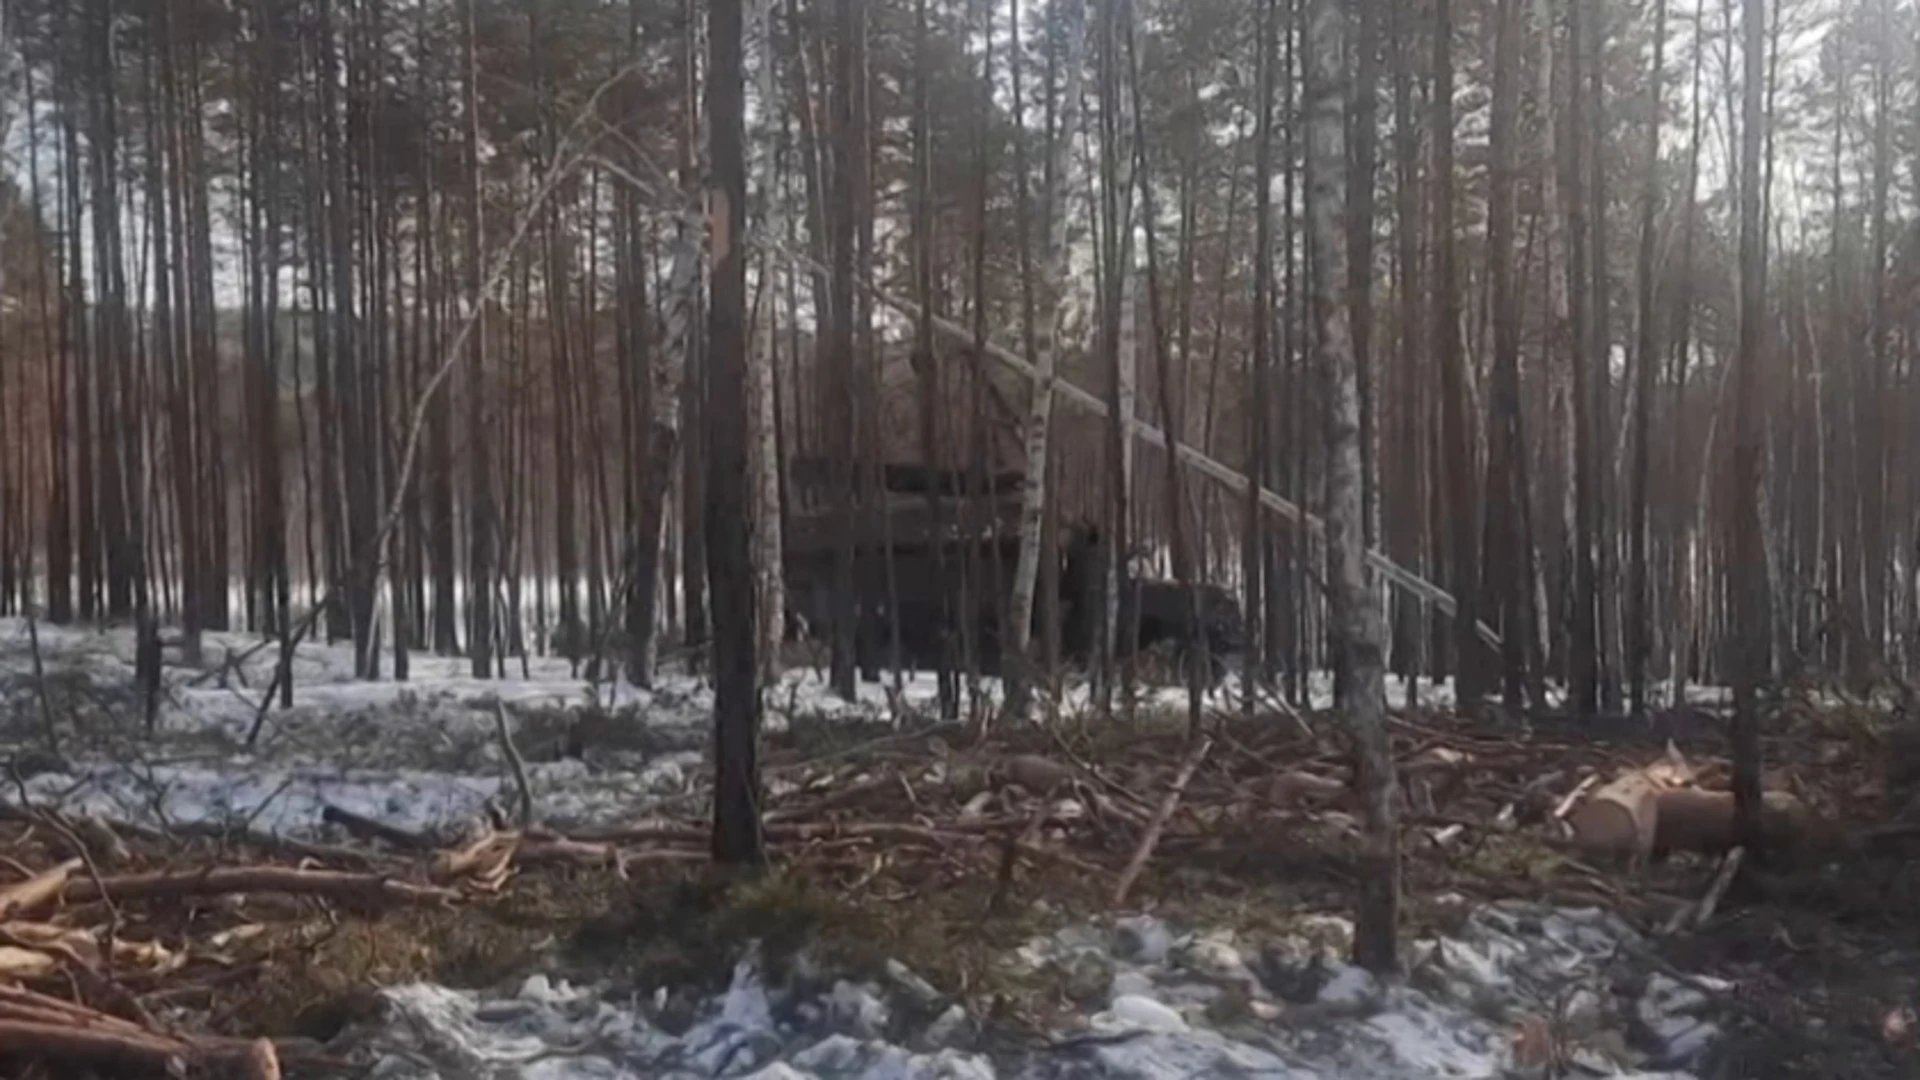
(1463, 503)
(1639, 590)
(1510, 525)
(481, 525)
(763, 455)
(1061, 191)
(1358, 629)
(736, 707)
(1751, 587)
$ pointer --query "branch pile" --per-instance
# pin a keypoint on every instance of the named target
(97, 935)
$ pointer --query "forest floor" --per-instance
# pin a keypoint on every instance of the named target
(452, 875)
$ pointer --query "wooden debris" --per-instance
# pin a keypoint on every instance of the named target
(1619, 819)
(333, 884)
(37, 891)
(1702, 822)
(1729, 867)
(483, 864)
(1159, 823)
(1297, 789)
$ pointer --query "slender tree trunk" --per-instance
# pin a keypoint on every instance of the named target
(1463, 502)
(736, 708)
(481, 516)
(1362, 155)
(1410, 546)
(1639, 591)
(1198, 651)
(763, 454)
(1358, 630)
(1588, 665)
(1061, 191)
(1507, 497)
(1259, 434)
(1751, 591)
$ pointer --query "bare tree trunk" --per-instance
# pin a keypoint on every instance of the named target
(1639, 592)
(1362, 155)
(736, 704)
(1463, 503)
(763, 451)
(1061, 191)
(1751, 591)
(1118, 343)
(1358, 630)
(1600, 367)
(1256, 671)
(1410, 545)
(481, 515)
(1510, 527)
(1198, 651)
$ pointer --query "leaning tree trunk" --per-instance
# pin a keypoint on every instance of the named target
(1359, 631)
(1061, 187)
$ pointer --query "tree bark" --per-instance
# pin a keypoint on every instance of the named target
(1507, 496)
(736, 707)
(1751, 587)
(1639, 590)
(1358, 629)
(1061, 191)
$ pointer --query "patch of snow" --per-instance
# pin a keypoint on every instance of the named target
(1138, 1012)
(1455, 1016)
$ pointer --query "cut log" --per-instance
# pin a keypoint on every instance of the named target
(1297, 789)
(1620, 818)
(1693, 820)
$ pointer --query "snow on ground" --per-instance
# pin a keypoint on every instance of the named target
(1160, 1004)
(421, 754)
(1513, 983)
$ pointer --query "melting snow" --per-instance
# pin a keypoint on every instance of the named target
(1447, 1019)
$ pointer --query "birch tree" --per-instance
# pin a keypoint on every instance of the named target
(763, 443)
(1358, 630)
(1061, 188)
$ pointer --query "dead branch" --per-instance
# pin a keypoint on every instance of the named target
(517, 763)
(1160, 817)
(1729, 868)
(213, 881)
(38, 890)
(51, 728)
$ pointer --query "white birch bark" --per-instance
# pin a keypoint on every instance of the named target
(1054, 285)
(763, 445)
(1126, 394)
(1358, 628)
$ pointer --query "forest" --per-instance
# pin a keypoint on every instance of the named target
(1234, 370)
